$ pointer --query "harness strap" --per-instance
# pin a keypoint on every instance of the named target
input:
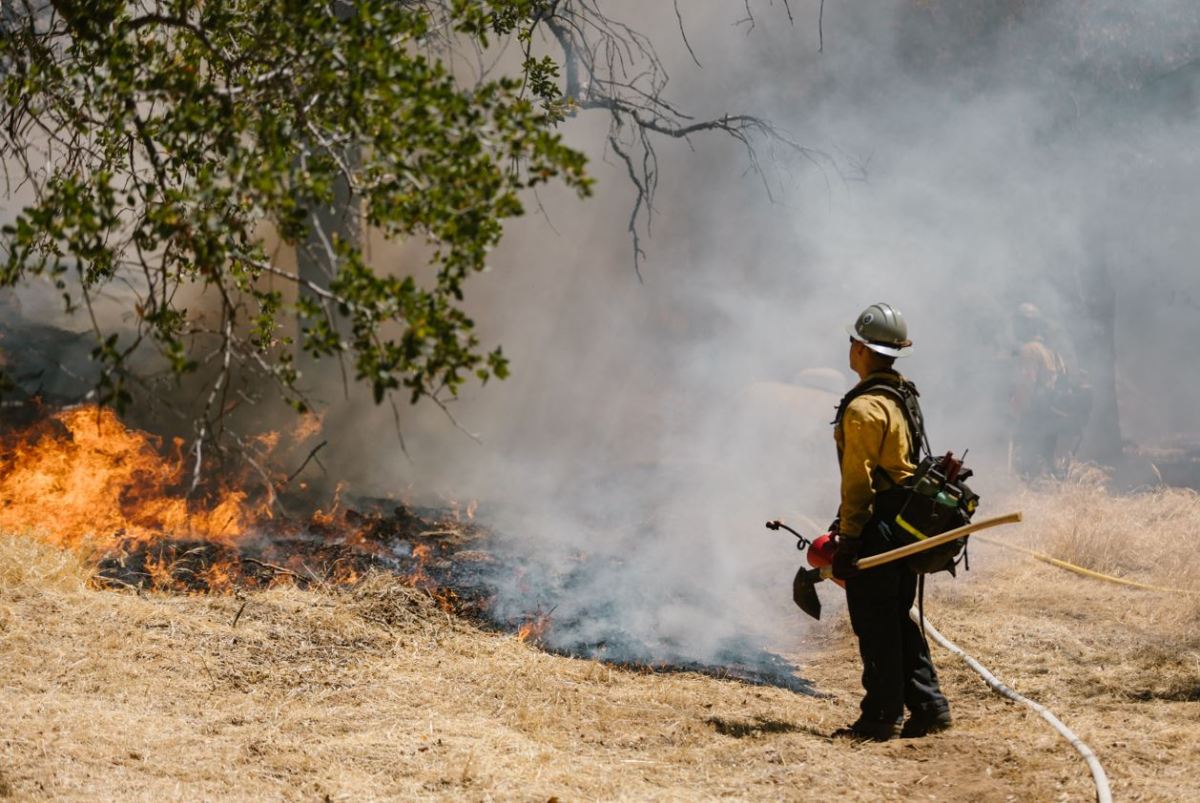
(906, 394)
(921, 606)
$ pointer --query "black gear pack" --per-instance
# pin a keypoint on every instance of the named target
(936, 498)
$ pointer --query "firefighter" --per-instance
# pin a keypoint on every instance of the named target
(877, 452)
(1035, 419)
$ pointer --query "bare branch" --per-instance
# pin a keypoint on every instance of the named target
(641, 198)
(609, 66)
(446, 410)
(311, 455)
(683, 34)
(820, 28)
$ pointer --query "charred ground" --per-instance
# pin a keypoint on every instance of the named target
(375, 690)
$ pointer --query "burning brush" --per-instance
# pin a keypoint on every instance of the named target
(535, 628)
(81, 480)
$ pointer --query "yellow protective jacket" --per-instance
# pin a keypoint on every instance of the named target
(1038, 368)
(874, 451)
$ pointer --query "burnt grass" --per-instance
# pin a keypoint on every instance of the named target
(436, 550)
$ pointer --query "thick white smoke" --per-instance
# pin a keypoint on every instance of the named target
(981, 154)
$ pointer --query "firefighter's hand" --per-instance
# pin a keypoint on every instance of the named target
(845, 557)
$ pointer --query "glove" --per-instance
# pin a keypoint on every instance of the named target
(845, 557)
(833, 525)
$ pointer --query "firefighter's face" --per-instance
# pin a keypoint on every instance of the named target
(858, 355)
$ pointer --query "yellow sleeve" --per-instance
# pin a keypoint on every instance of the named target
(864, 432)
(1029, 360)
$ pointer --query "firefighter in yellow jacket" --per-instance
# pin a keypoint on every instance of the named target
(877, 451)
(1037, 424)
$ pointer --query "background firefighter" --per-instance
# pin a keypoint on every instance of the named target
(1048, 406)
(876, 453)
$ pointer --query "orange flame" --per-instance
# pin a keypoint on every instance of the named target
(308, 425)
(84, 478)
(267, 441)
(533, 630)
(335, 509)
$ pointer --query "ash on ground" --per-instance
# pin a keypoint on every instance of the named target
(471, 570)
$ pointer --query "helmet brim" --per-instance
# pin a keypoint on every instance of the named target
(879, 348)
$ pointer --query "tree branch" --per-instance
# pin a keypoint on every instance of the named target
(626, 78)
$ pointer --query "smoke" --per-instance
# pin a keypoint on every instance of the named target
(978, 154)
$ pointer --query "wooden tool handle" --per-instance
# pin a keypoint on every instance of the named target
(930, 543)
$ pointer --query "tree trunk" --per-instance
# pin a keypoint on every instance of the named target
(316, 261)
(1094, 332)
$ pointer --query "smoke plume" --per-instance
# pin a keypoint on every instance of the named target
(974, 155)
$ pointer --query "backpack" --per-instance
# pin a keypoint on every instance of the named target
(935, 499)
(1070, 401)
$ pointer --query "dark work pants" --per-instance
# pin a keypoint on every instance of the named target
(1035, 445)
(897, 670)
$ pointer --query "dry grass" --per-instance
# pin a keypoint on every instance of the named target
(375, 693)
(1148, 537)
(31, 565)
(1121, 666)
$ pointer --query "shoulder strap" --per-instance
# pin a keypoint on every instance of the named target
(905, 393)
(1060, 366)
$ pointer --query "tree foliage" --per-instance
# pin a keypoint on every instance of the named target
(158, 135)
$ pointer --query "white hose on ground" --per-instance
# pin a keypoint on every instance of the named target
(1103, 793)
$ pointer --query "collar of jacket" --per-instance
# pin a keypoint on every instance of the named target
(887, 374)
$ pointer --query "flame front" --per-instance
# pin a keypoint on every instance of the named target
(82, 479)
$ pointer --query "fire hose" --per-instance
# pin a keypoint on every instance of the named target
(1099, 778)
(1095, 575)
(804, 594)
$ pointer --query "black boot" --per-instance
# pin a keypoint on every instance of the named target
(869, 730)
(923, 724)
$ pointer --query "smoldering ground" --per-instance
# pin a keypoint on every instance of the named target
(971, 156)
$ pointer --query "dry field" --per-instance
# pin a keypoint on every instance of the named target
(375, 693)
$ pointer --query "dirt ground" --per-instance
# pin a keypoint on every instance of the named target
(375, 693)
